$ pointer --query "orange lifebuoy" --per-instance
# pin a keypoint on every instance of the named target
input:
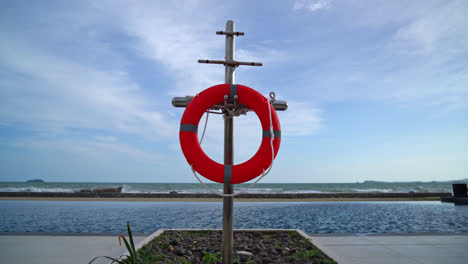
(211, 169)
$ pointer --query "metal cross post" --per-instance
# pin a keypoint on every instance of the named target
(230, 66)
(228, 201)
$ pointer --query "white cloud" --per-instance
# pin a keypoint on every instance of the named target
(247, 137)
(60, 93)
(408, 55)
(56, 94)
(301, 119)
(260, 53)
(443, 30)
(435, 46)
(312, 5)
(176, 38)
(70, 158)
(107, 138)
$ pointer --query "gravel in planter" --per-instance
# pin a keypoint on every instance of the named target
(206, 247)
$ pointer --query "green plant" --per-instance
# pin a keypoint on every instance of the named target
(309, 253)
(211, 259)
(178, 260)
(267, 236)
(130, 245)
(277, 244)
(158, 257)
(306, 255)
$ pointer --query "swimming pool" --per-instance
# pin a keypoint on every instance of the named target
(312, 217)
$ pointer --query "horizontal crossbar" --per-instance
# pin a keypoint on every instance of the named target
(231, 62)
(230, 33)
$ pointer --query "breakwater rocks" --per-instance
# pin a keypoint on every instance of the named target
(455, 200)
(104, 190)
(209, 195)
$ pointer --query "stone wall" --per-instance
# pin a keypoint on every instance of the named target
(209, 195)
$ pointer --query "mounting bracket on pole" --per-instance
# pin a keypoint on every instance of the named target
(279, 105)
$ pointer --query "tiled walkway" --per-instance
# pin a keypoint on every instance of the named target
(57, 249)
(427, 249)
(351, 249)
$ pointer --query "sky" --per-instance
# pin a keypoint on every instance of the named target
(377, 90)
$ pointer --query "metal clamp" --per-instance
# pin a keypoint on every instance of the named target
(230, 33)
(272, 96)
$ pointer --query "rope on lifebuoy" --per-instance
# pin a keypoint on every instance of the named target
(259, 178)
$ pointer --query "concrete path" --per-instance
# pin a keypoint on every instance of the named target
(427, 249)
(352, 249)
(19, 249)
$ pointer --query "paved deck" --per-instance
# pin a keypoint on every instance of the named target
(18, 249)
(427, 249)
(351, 249)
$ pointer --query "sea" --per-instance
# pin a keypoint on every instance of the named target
(362, 187)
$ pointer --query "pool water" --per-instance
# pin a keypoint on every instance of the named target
(312, 217)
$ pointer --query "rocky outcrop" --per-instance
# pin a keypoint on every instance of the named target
(35, 181)
(108, 190)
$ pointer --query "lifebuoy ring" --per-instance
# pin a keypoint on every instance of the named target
(209, 168)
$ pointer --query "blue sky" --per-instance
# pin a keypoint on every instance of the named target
(377, 90)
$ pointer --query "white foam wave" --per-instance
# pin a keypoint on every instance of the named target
(309, 191)
(36, 189)
(264, 190)
(127, 189)
(373, 190)
(260, 190)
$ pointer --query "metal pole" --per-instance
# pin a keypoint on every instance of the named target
(228, 153)
(230, 66)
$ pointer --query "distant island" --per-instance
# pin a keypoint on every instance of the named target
(35, 181)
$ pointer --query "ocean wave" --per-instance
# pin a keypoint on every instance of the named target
(130, 189)
(310, 191)
(126, 189)
(373, 190)
(197, 188)
(263, 190)
(221, 190)
(37, 189)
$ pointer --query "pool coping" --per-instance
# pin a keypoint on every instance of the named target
(309, 237)
(161, 231)
(136, 234)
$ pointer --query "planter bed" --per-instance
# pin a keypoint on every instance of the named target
(205, 246)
